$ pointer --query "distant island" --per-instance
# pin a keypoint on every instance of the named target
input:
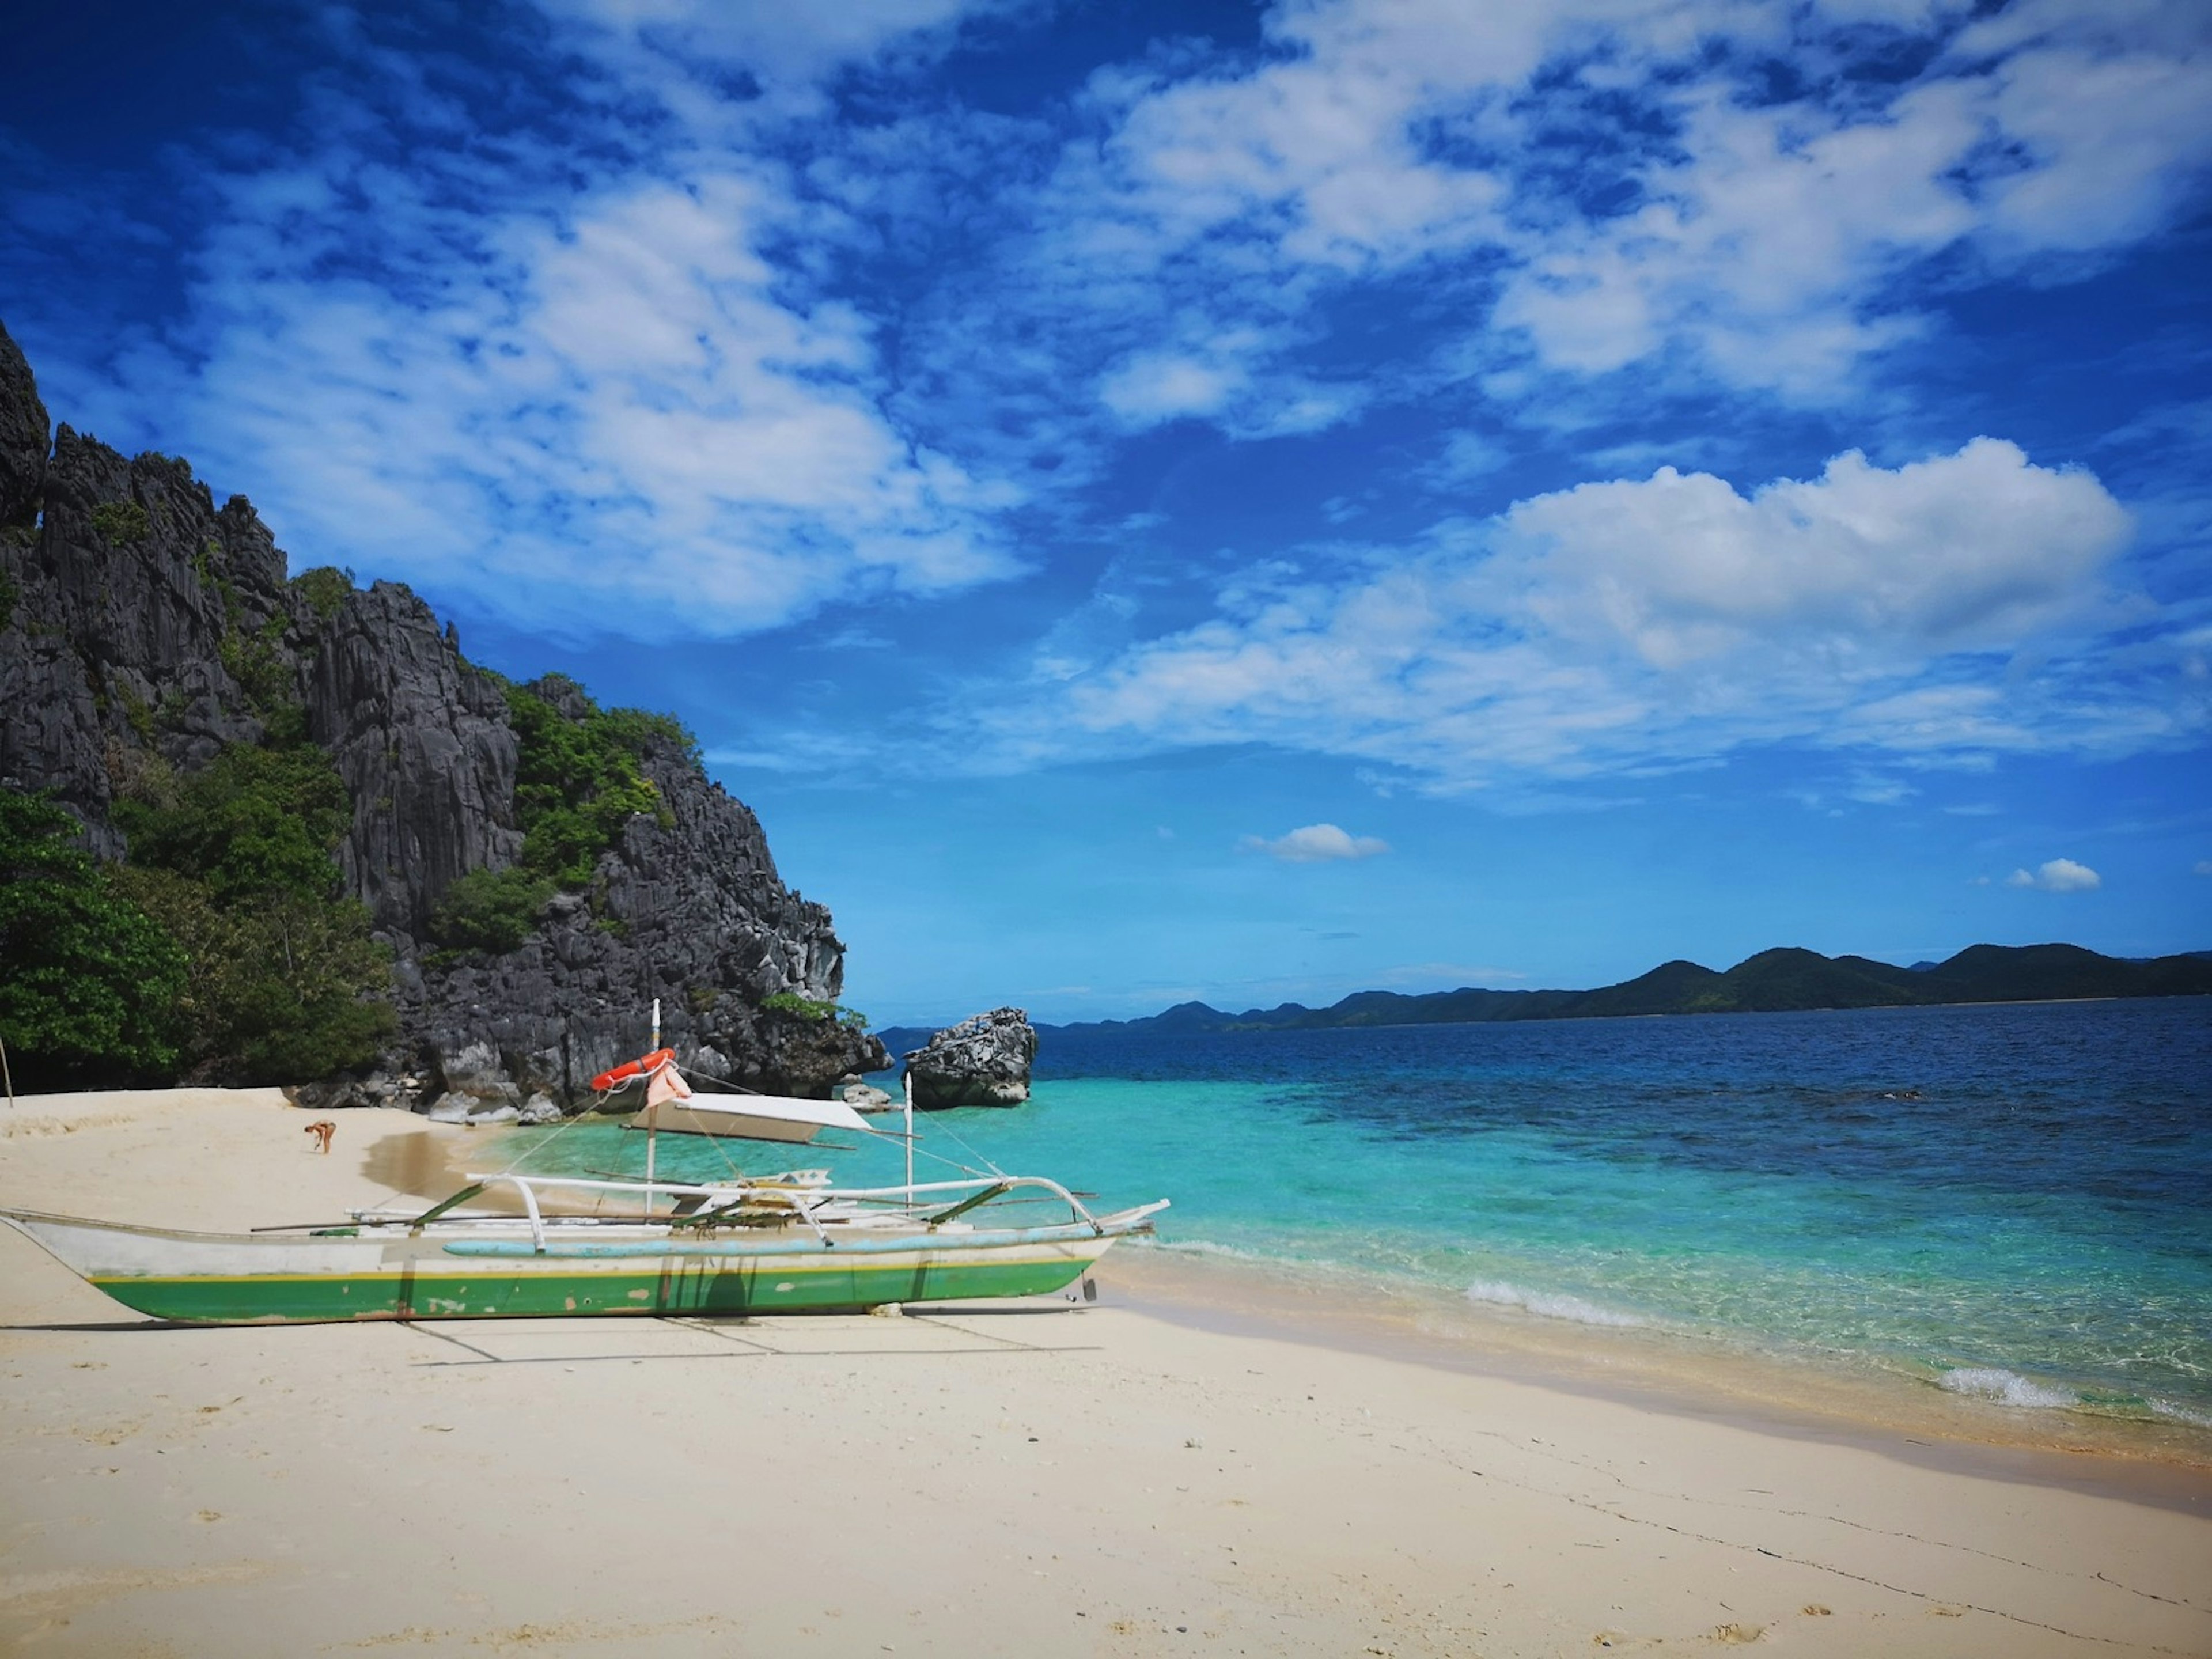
(1781, 981)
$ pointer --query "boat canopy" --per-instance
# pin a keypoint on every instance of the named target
(672, 1106)
(750, 1117)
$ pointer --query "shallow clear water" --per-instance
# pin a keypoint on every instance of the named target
(2013, 1201)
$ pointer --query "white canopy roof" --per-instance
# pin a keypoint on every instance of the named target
(750, 1117)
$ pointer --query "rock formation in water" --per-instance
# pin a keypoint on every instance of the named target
(984, 1061)
(861, 1095)
(143, 629)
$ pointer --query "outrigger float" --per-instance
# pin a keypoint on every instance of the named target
(575, 1245)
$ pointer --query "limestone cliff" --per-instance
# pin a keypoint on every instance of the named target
(143, 628)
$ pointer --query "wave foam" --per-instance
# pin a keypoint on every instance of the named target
(1498, 1293)
(1199, 1247)
(2181, 1413)
(2003, 1387)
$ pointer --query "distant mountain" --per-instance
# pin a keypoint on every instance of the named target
(1773, 981)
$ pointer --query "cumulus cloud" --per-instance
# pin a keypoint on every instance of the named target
(1634, 623)
(611, 414)
(1605, 184)
(1974, 550)
(610, 366)
(1317, 843)
(2057, 876)
(576, 374)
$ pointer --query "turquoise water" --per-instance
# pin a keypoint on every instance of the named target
(2014, 1202)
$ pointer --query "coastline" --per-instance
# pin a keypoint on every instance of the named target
(1183, 1465)
(2169, 1465)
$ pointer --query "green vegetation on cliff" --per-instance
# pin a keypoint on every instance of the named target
(254, 821)
(88, 981)
(814, 1012)
(235, 863)
(120, 521)
(325, 588)
(222, 950)
(579, 780)
(490, 910)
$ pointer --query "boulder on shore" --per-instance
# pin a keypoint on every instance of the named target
(860, 1095)
(983, 1061)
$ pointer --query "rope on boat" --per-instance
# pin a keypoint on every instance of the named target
(953, 1134)
(600, 1098)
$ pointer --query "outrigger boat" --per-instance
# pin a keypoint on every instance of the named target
(575, 1245)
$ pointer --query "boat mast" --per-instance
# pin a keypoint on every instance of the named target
(652, 1133)
(907, 1077)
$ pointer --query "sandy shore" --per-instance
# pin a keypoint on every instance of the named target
(1036, 1478)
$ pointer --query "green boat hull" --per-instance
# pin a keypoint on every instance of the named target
(743, 1289)
(216, 1279)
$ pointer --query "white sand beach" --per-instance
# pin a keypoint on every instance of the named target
(1035, 1478)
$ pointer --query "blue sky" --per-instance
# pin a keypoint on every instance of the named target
(1242, 501)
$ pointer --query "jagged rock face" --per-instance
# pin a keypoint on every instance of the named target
(984, 1061)
(131, 605)
(694, 915)
(23, 442)
(113, 659)
(421, 739)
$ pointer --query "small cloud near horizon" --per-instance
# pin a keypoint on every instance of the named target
(1317, 843)
(2058, 876)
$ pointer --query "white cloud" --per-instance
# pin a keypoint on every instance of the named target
(1763, 240)
(1153, 388)
(2057, 876)
(2104, 103)
(1610, 183)
(789, 46)
(1974, 550)
(1317, 843)
(602, 373)
(1875, 791)
(2204, 867)
(1629, 625)
(587, 373)
(611, 409)
(1318, 143)
(1866, 788)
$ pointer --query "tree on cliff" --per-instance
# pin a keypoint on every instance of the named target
(578, 781)
(88, 983)
(285, 982)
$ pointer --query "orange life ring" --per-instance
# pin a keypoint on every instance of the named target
(645, 1066)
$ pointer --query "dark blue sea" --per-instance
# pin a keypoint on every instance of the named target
(2013, 1202)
